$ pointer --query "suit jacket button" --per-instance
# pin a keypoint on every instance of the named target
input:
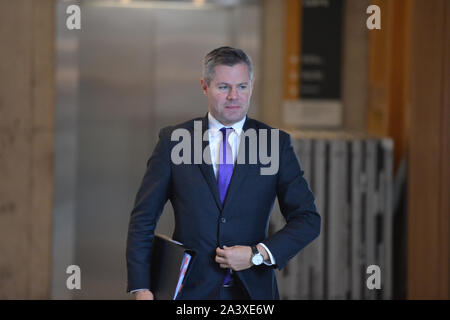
(223, 220)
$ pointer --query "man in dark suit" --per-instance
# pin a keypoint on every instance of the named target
(223, 191)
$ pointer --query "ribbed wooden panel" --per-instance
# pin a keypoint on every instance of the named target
(352, 180)
(428, 176)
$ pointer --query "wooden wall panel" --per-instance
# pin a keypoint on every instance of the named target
(445, 160)
(388, 74)
(428, 210)
(398, 76)
(377, 116)
(355, 65)
(292, 50)
(272, 61)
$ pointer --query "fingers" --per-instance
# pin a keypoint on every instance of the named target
(220, 252)
(223, 252)
(222, 262)
(221, 258)
(144, 295)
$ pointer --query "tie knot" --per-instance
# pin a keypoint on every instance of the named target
(226, 131)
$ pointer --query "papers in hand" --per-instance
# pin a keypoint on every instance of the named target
(169, 267)
(183, 269)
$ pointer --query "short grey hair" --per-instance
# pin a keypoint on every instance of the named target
(225, 56)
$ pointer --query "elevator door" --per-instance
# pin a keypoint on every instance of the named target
(139, 69)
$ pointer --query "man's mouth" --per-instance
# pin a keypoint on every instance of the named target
(232, 107)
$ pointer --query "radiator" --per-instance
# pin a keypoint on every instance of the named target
(352, 181)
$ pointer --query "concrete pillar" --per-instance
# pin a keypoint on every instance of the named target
(26, 147)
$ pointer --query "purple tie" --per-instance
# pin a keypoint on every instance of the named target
(225, 164)
(225, 173)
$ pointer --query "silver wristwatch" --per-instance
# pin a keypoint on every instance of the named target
(257, 257)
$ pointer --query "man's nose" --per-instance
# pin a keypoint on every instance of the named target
(232, 94)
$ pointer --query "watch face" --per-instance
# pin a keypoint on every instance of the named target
(257, 259)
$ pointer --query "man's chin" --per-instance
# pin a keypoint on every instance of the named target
(234, 115)
(231, 120)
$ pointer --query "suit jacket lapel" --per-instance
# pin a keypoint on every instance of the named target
(207, 169)
(240, 170)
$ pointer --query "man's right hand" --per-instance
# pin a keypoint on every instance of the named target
(143, 295)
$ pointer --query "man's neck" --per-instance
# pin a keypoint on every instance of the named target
(238, 124)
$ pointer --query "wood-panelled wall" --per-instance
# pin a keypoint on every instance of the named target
(292, 49)
(408, 100)
(26, 147)
(273, 30)
(388, 74)
(428, 146)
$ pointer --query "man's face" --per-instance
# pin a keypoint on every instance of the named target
(229, 93)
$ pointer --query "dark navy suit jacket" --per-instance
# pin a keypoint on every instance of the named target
(203, 224)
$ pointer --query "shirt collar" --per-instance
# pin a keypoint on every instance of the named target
(215, 125)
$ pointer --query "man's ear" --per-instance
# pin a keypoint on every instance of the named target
(204, 85)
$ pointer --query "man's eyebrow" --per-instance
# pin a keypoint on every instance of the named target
(221, 83)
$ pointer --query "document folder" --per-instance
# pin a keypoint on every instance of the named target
(170, 264)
